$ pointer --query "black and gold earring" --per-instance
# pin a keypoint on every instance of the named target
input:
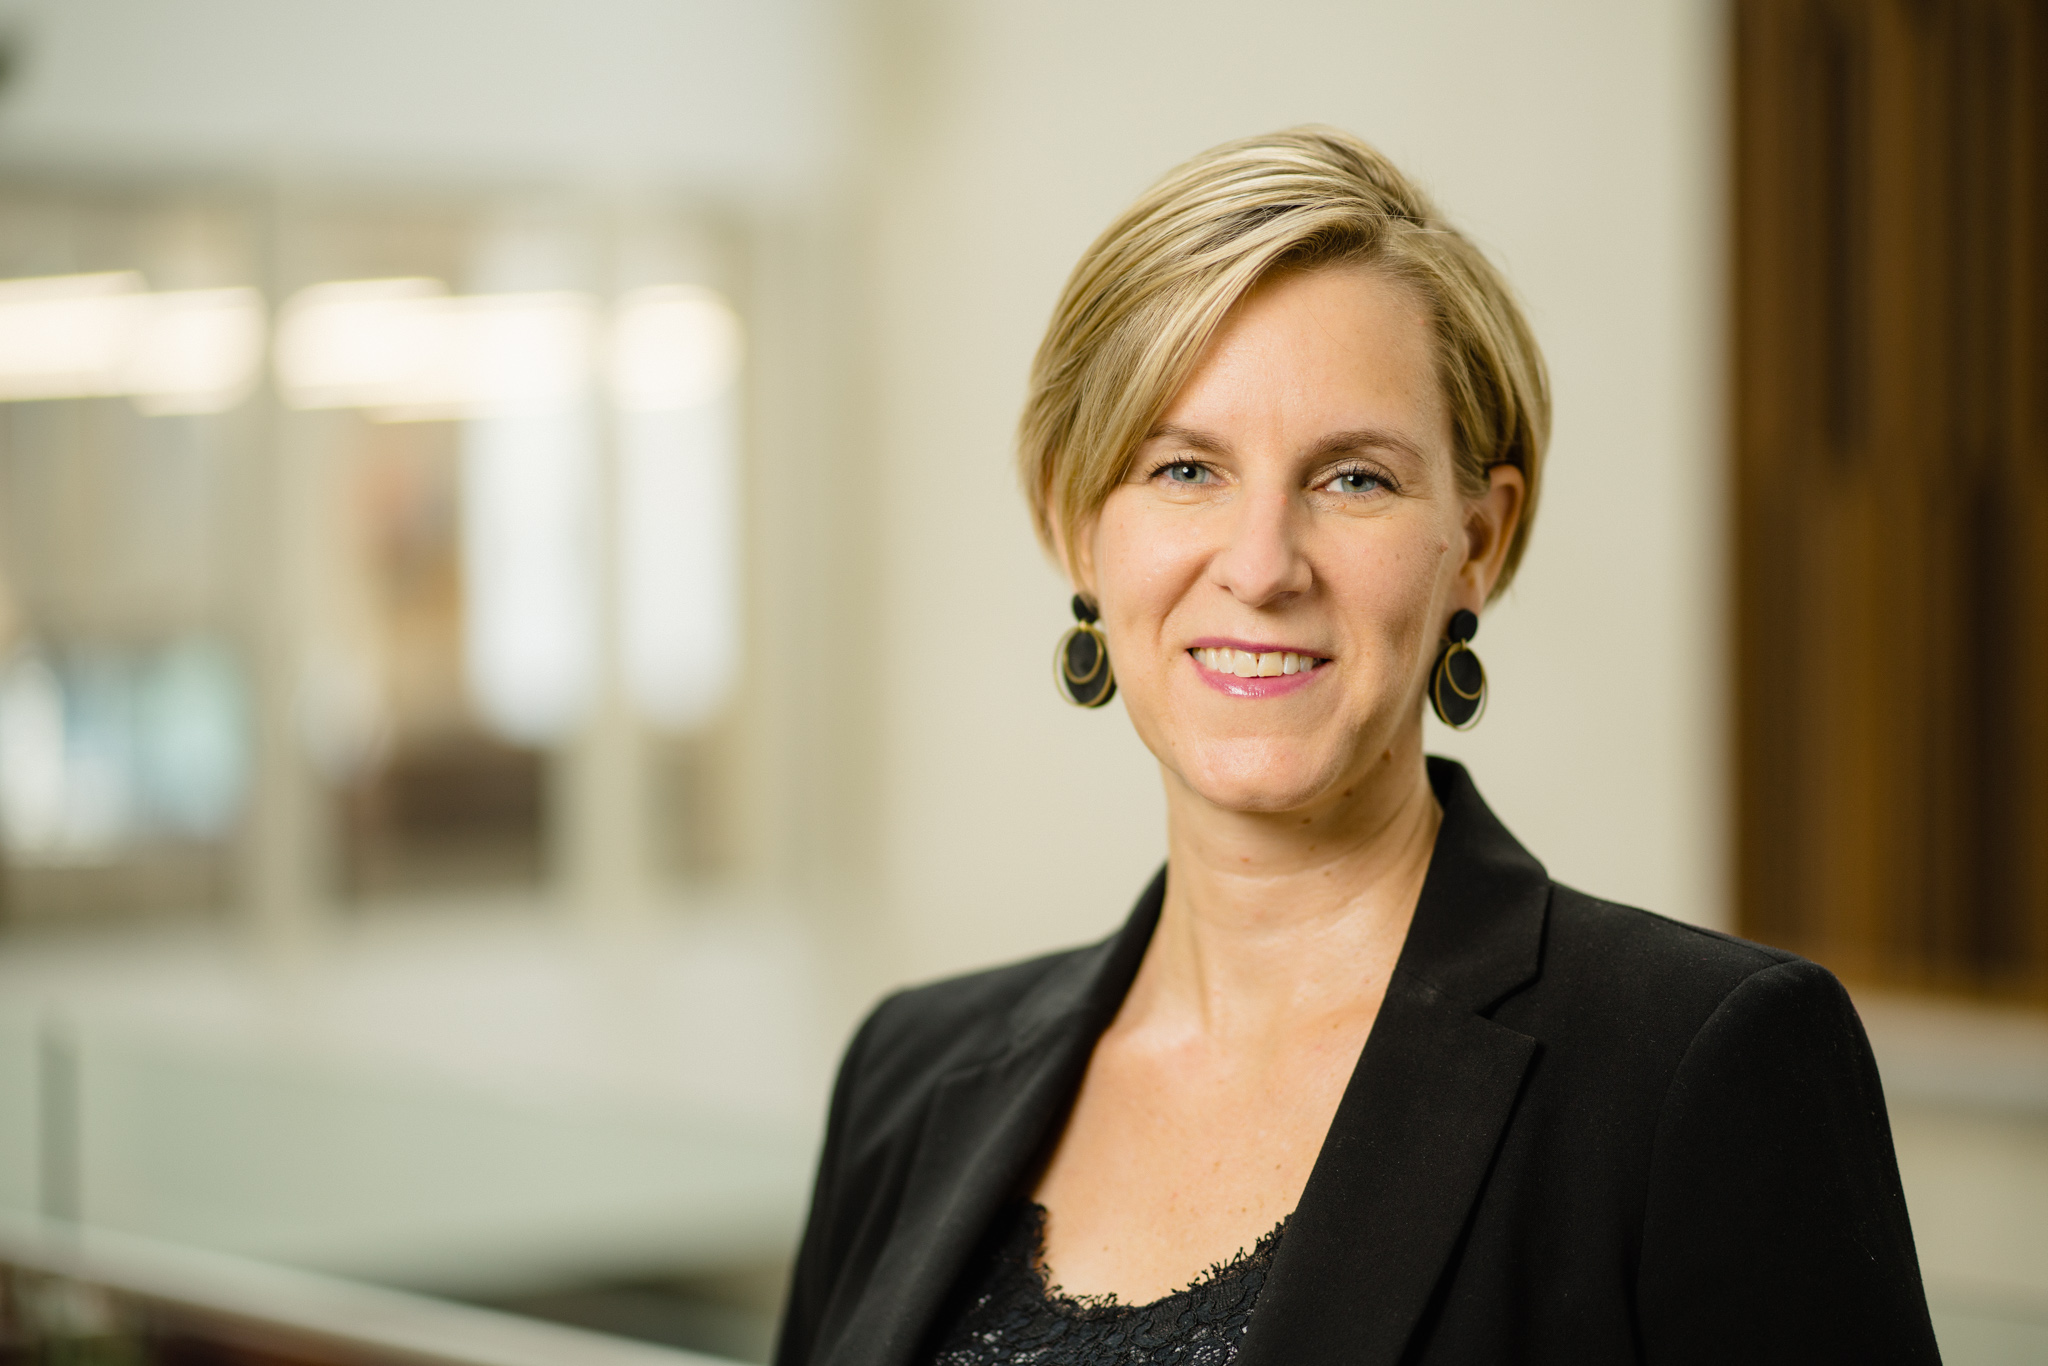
(1457, 685)
(1080, 666)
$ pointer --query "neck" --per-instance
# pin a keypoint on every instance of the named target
(1275, 919)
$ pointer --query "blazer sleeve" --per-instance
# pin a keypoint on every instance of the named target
(1775, 1228)
(819, 1254)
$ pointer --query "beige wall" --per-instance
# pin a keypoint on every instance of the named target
(1579, 142)
(923, 173)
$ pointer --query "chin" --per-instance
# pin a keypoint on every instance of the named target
(1261, 778)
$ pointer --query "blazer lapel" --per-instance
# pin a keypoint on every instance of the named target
(1415, 1133)
(1406, 1156)
(986, 1125)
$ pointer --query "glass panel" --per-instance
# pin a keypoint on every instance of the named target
(415, 492)
(130, 340)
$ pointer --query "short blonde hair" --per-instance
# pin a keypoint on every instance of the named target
(1150, 291)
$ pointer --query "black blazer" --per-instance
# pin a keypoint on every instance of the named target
(1577, 1133)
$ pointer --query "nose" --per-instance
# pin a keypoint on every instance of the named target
(1262, 563)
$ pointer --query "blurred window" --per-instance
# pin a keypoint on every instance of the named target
(131, 340)
(409, 504)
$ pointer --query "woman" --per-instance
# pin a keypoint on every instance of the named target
(1357, 1081)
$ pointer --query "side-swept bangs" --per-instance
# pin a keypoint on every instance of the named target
(1148, 294)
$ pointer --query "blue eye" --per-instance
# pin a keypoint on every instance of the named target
(1356, 481)
(1187, 472)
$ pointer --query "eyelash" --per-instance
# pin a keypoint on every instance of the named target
(1380, 477)
(1165, 465)
(1376, 475)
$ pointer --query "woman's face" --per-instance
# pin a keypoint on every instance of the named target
(1294, 516)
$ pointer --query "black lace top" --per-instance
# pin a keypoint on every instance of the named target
(1004, 1314)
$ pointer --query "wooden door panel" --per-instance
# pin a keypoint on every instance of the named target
(1891, 488)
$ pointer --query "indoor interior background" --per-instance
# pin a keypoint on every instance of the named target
(574, 1065)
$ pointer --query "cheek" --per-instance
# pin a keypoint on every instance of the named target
(1401, 568)
(1391, 587)
(1143, 561)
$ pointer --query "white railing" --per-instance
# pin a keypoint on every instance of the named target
(360, 1323)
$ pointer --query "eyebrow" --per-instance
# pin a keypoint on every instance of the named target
(1336, 443)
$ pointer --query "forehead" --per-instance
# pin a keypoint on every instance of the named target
(1339, 344)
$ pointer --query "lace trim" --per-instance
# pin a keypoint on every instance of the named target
(1004, 1313)
(1082, 1305)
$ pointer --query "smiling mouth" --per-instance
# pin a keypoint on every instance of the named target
(1246, 664)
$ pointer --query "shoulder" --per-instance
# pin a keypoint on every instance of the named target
(1714, 1104)
(1589, 939)
(1641, 959)
(1616, 980)
(955, 1017)
(917, 1036)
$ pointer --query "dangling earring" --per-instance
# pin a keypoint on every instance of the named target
(1457, 685)
(1080, 667)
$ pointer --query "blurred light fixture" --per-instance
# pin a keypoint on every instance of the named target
(407, 350)
(89, 336)
(196, 350)
(673, 347)
(66, 336)
(359, 343)
(675, 357)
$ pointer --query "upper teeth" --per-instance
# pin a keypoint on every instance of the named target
(1245, 664)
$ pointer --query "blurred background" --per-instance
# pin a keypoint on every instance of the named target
(516, 623)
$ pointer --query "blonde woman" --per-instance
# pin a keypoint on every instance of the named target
(1357, 1082)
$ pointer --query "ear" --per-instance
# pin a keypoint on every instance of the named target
(1490, 522)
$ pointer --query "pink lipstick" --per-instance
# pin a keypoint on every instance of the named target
(1245, 668)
